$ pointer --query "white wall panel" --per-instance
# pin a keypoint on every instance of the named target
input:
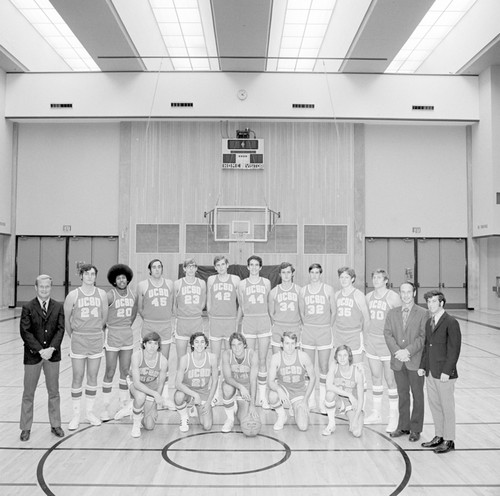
(416, 176)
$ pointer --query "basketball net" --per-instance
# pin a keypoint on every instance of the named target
(241, 239)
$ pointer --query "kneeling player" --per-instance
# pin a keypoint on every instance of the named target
(196, 382)
(149, 371)
(240, 366)
(291, 382)
(345, 391)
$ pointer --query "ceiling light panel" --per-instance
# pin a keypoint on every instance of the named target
(440, 19)
(51, 26)
(187, 33)
(304, 27)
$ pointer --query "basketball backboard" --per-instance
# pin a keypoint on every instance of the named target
(241, 223)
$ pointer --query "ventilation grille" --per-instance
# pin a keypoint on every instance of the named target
(157, 238)
(283, 239)
(61, 105)
(181, 104)
(325, 239)
(422, 107)
(302, 105)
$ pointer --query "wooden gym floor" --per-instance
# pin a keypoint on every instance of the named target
(107, 460)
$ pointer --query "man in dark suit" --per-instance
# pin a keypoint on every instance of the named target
(404, 333)
(439, 363)
(42, 330)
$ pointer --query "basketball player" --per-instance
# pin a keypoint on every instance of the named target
(352, 314)
(253, 294)
(149, 372)
(155, 303)
(284, 306)
(380, 301)
(189, 302)
(291, 382)
(345, 391)
(222, 308)
(85, 314)
(240, 366)
(317, 307)
(196, 382)
(119, 340)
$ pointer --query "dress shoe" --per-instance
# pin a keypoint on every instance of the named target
(436, 441)
(57, 431)
(399, 433)
(414, 436)
(25, 435)
(444, 447)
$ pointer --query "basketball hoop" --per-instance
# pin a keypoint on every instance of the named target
(241, 237)
(241, 224)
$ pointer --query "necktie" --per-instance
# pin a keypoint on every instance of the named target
(406, 311)
(44, 308)
(433, 323)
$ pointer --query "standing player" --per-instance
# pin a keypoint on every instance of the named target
(253, 294)
(222, 307)
(352, 314)
(119, 341)
(345, 390)
(196, 382)
(190, 298)
(239, 366)
(149, 372)
(291, 382)
(85, 314)
(380, 301)
(155, 302)
(284, 306)
(317, 307)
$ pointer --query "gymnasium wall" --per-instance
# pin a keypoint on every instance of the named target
(5, 162)
(6, 251)
(486, 156)
(106, 178)
(135, 96)
(489, 252)
(311, 176)
(416, 176)
(68, 175)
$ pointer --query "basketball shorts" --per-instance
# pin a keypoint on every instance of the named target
(342, 404)
(278, 330)
(163, 329)
(294, 394)
(187, 327)
(153, 386)
(237, 394)
(119, 338)
(256, 326)
(353, 339)
(221, 328)
(376, 347)
(316, 337)
(87, 345)
(203, 395)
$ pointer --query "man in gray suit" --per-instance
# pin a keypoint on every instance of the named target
(404, 333)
